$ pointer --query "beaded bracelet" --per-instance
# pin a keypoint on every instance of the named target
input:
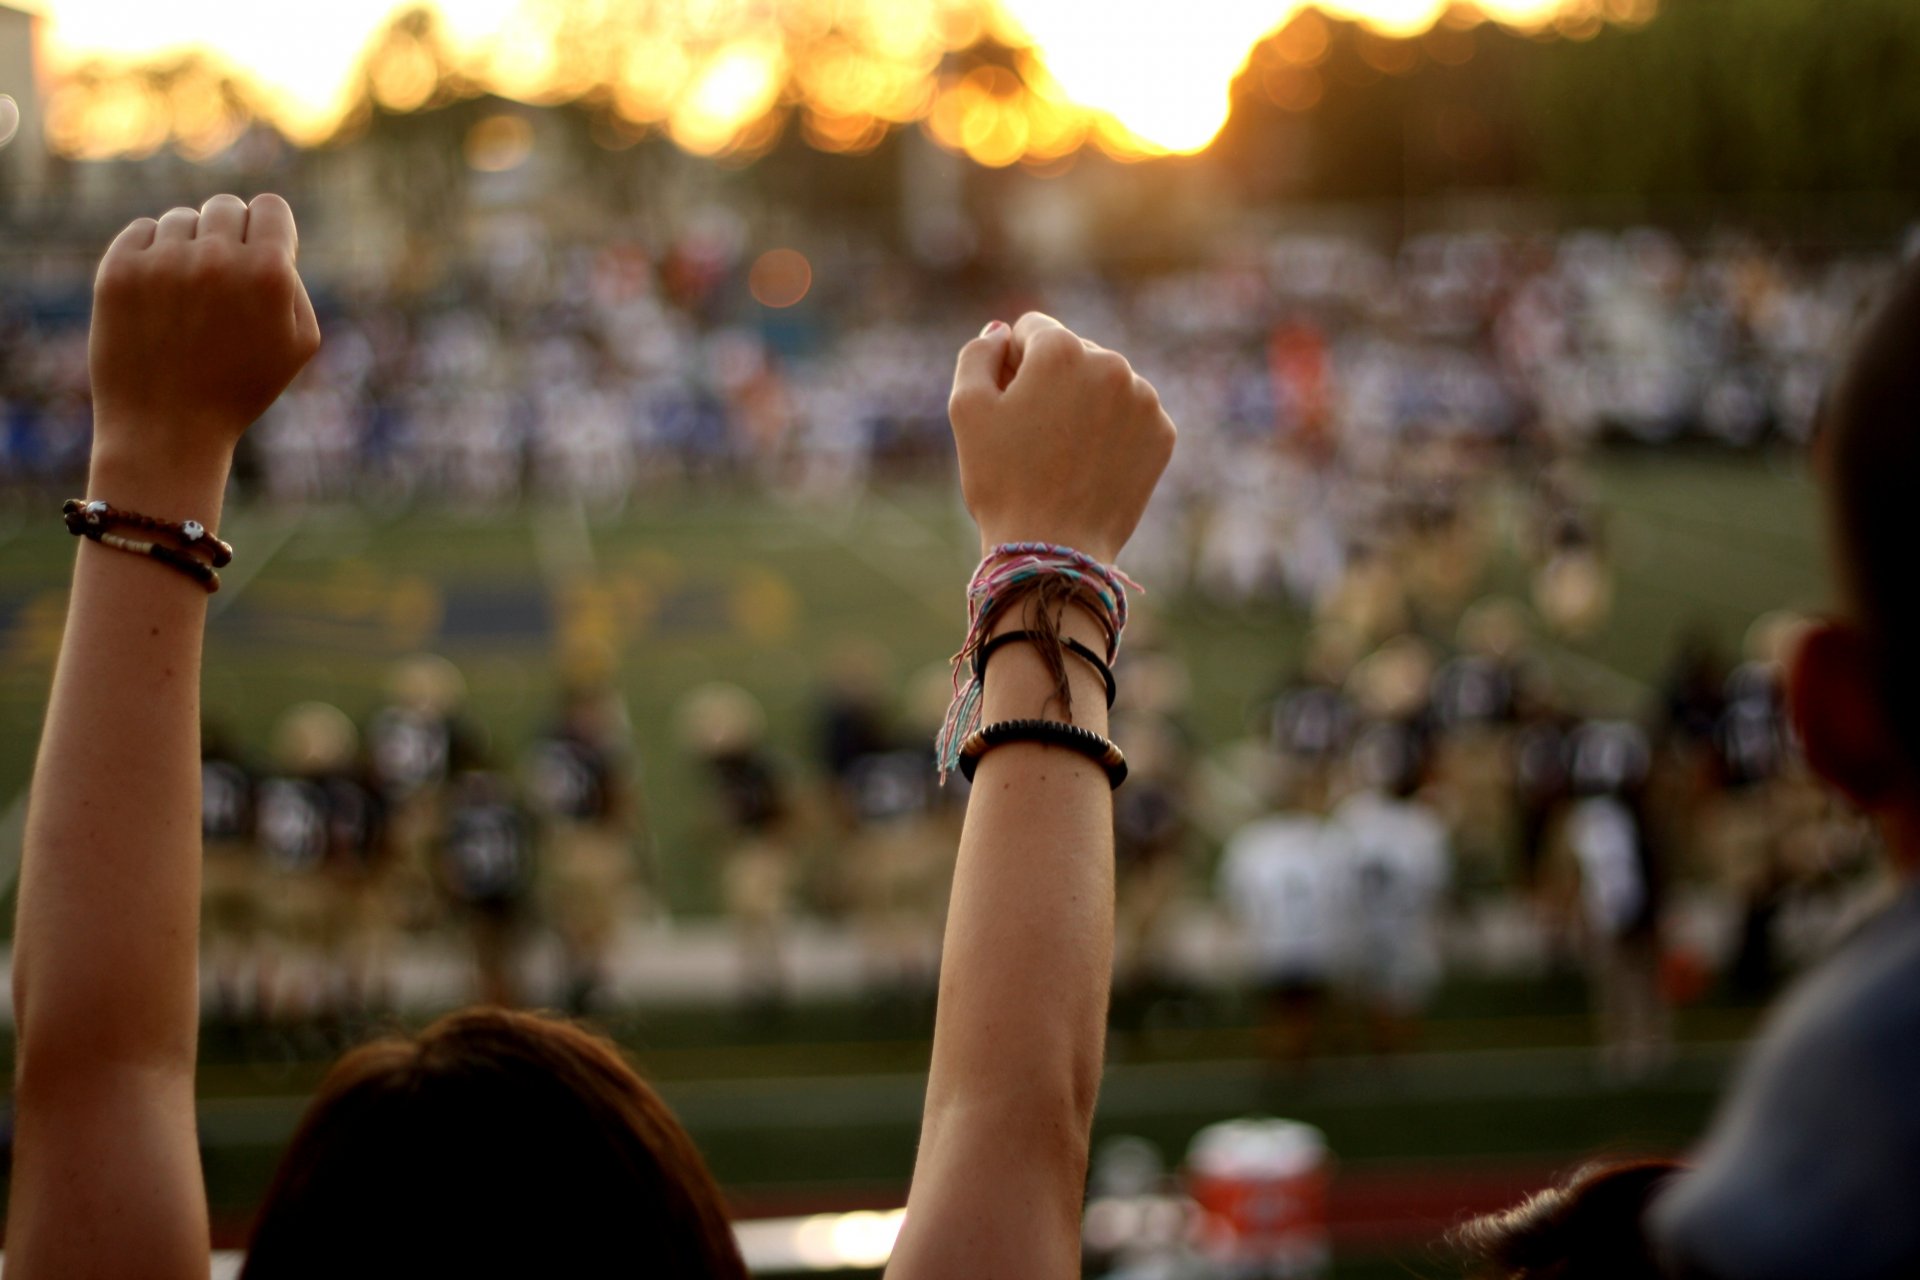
(84, 521)
(1053, 733)
(96, 514)
(1005, 638)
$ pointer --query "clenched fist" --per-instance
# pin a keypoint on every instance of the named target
(199, 322)
(1059, 440)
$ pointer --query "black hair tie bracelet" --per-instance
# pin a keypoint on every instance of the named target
(1071, 645)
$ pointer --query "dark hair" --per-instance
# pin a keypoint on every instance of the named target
(492, 1143)
(1587, 1228)
(1869, 448)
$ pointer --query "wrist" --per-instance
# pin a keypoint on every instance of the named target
(170, 486)
(1086, 545)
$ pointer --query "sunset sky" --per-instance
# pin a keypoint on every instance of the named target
(1158, 87)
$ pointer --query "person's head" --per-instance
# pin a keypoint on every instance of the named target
(492, 1143)
(1587, 1228)
(1853, 684)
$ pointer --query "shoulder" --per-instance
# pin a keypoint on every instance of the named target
(1810, 1164)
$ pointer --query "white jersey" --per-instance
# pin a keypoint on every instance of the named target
(1397, 862)
(1282, 878)
(1605, 840)
(1397, 870)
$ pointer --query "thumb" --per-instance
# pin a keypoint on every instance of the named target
(979, 374)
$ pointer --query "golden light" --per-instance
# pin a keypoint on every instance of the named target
(403, 75)
(651, 77)
(1166, 88)
(1134, 77)
(732, 92)
(780, 278)
(499, 143)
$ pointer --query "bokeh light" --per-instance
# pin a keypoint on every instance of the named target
(9, 119)
(1002, 81)
(499, 143)
(780, 278)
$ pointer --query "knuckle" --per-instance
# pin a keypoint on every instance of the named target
(1054, 346)
(966, 403)
(1111, 368)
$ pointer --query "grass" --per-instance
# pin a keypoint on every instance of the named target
(690, 587)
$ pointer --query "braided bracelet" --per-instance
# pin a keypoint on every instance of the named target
(1052, 733)
(96, 514)
(81, 525)
(1005, 638)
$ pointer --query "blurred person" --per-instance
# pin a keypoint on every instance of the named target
(883, 785)
(1282, 880)
(1614, 877)
(232, 887)
(1313, 720)
(485, 867)
(1572, 583)
(1540, 784)
(723, 726)
(1398, 867)
(416, 742)
(853, 717)
(1153, 826)
(1687, 773)
(579, 778)
(320, 829)
(1472, 710)
(532, 1127)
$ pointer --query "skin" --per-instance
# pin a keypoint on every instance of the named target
(200, 321)
(1020, 1031)
(1834, 698)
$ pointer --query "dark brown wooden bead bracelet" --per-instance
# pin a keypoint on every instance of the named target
(1053, 733)
(95, 521)
(83, 515)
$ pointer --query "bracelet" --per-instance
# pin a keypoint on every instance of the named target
(96, 514)
(1053, 733)
(993, 646)
(1043, 578)
(85, 522)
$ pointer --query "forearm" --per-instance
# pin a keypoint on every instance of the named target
(1029, 946)
(106, 943)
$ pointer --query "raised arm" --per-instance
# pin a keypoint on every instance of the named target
(199, 321)
(1059, 442)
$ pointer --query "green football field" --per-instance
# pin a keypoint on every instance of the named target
(695, 586)
(819, 1108)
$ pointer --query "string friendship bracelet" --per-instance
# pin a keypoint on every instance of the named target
(1044, 578)
(190, 534)
(1051, 733)
(96, 520)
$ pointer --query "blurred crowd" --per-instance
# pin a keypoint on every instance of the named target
(529, 367)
